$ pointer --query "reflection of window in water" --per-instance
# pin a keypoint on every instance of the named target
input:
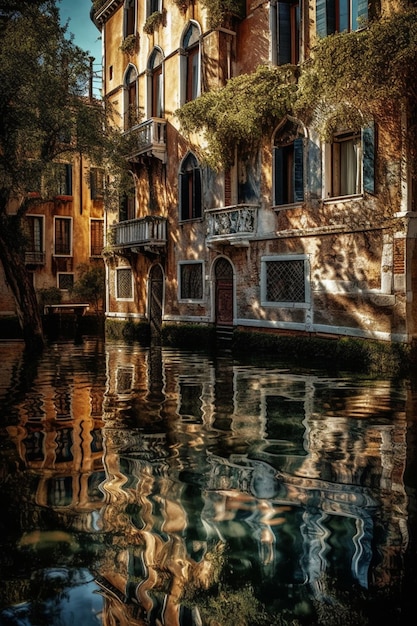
(96, 402)
(284, 421)
(59, 491)
(63, 441)
(34, 408)
(124, 379)
(34, 446)
(190, 400)
(96, 440)
(94, 481)
(62, 402)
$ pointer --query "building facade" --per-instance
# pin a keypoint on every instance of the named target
(303, 236)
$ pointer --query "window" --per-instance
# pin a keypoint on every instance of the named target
(35, 246)
(96, 237)
(152, 6)
(65, 281)
(62, 173)
(191, 64)
(190, 189)
(284, 281)
(156, 84)
(340, 15)
(131, 99)
(124, 284)
(129, 18)
(288, 170)
(63, 236)
(286, 32)
(349, 163)
(96, 183)
(191, 280)
(127, 207)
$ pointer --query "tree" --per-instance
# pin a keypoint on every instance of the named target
(91, 285)
(43, 76)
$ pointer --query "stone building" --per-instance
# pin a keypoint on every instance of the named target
(302, 236)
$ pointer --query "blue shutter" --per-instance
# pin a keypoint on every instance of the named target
(368, 146)
(362, 14)
(314, 170)
(325, 17)
(278, 176)
(298, 170)
(284, 33)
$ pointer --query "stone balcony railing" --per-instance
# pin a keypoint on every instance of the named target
(147, 138)
(140, 235)
(234, 225)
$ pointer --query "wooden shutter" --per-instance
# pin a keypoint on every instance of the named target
(368, 147)
(325, 17)
(278, 176)
(197, 193)
(298, 170)
(314, 181)
(284, 33)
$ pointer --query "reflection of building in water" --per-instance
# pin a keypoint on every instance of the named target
(297, 485)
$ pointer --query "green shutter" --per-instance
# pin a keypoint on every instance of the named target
(278, 176)
(368, 146)
(314, 181)
(284, 33)
(197, 193)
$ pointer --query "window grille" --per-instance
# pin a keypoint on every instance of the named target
(285, 281)
(124, 284)
(191, 276)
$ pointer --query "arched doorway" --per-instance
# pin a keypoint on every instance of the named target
(156, 293)
(223, 275)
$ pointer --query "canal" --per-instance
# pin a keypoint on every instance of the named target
(154, 486)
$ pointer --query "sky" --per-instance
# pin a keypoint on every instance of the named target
(86, 34)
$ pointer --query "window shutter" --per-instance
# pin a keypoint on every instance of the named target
(183, 185)
(325, 17)
(68, 179)
(362, 12)
(298, 170)
(278, 176)
(197, 193)
(314, 170)
(93, 186)
(368, 145)
(284, 33)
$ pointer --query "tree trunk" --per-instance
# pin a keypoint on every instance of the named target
(18, 279)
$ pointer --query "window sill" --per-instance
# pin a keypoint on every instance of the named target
(63, 198)
(334, 199)
(285, 207)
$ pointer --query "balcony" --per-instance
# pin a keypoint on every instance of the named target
(34, 258)
(147, 139)
(233, 225)
(146, 234)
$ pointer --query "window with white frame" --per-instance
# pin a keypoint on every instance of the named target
(285, 25)
(285, 281)
(336, 16)
(124, 283)
(156, 83)
(96, 237)
(63, 236)
(65, 281)
(190, 280)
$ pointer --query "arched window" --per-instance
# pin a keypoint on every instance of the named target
(130, 98)
(191, 64)
(155, 84)
(288, 154)
(129, 18)
(190, 188)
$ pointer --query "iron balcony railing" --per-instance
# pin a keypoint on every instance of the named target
(232, 224)
(147, 138)
(149, 231)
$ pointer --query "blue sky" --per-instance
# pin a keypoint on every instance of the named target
(86, 35)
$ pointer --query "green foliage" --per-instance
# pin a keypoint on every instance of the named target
(219, 9)
(153, 21)
(51, 295)
(238, 115)
(117, 330)
(353, 77)
(91, 285)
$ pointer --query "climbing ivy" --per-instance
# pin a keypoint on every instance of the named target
(239, 114)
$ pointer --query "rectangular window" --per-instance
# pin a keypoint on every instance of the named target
(191, 281)
(152, 6)
(345, 165)
(63, 179)
(63, 236)
(340, 15)
(288, 33)
(35, 246)
(65, 281)
(96, 237)
(284, 281)
(96, 183)
(124, 283)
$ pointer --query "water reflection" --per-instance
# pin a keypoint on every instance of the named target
(151, 486)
